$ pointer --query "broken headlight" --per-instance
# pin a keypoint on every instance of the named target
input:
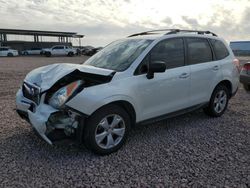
(60, 97)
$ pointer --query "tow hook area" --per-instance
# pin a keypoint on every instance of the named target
(62, 124)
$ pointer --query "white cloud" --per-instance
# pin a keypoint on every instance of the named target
(105, 20)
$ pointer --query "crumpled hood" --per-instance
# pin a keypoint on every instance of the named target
(46, 76)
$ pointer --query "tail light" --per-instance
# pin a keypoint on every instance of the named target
(236, 62)
(246, 67)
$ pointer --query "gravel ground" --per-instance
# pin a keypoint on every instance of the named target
(190, 150)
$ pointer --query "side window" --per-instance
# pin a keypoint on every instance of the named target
(58, 48)
(220, 49)
(143, 67)
(199, 51)
(170, 51)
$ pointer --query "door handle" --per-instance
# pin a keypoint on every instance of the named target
(184, 75)
(216, 67)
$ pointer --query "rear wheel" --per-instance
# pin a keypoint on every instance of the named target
(10, 55)
(218, 102)
(47, 54)
(25, 53)
(70, 54)
(107, 129)
(246, 87)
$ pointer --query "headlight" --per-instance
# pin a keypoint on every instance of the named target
(59, 98)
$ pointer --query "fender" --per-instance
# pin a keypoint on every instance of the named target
(90, 108)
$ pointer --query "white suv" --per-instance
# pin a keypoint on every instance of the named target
(139, 79)
(60, 50)
(8, 52)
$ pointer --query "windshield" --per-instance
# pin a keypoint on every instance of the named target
(119, 55)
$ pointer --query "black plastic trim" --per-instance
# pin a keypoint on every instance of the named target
(172, 114)
(23, 115)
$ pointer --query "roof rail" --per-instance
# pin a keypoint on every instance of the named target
(173, 31)
(150, 32)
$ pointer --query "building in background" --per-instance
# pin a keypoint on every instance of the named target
(240, 48)
(27, 39)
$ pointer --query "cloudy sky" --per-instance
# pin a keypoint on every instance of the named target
(103, 21)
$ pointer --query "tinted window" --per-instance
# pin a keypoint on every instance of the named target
(220, 49)
(36, 49)
(170, 51)
(58, 47)
(3, 49)
(199, 51)
(143, 67)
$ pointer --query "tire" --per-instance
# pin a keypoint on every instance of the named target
(218, 101)
(70, 54)
(10, 55)
(25, 53)
(246, 87)
(100, 123)
(47, 54)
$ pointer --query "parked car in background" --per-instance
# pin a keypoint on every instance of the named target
(93, 51)
(245, 76)
(44, 50)
(60, 50)
(7, 51)
(32, 51)
(85, 49)
(140, 79)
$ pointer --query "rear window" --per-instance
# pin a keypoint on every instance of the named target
(4, 49)
(199, 51)
(220, 49)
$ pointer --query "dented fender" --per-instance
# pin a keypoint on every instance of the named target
(87, 103)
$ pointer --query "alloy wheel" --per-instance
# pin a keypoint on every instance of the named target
(110, 131)
(220, 101)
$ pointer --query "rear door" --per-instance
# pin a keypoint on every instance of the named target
(3, 51)
(58, 50)
(166, 92)
(205, 70)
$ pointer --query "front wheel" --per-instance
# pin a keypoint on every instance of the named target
(70, 54)
(107, 129)
(218, 101)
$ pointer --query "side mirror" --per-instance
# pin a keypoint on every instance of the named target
(156, 66)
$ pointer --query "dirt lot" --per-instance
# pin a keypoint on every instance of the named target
(190, 150)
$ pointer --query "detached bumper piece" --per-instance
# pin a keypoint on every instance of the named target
(49, 123)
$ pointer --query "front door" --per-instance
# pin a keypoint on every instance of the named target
(169, 91)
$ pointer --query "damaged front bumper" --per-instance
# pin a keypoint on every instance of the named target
(45, 119)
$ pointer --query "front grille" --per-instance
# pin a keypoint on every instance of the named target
(31, 92)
